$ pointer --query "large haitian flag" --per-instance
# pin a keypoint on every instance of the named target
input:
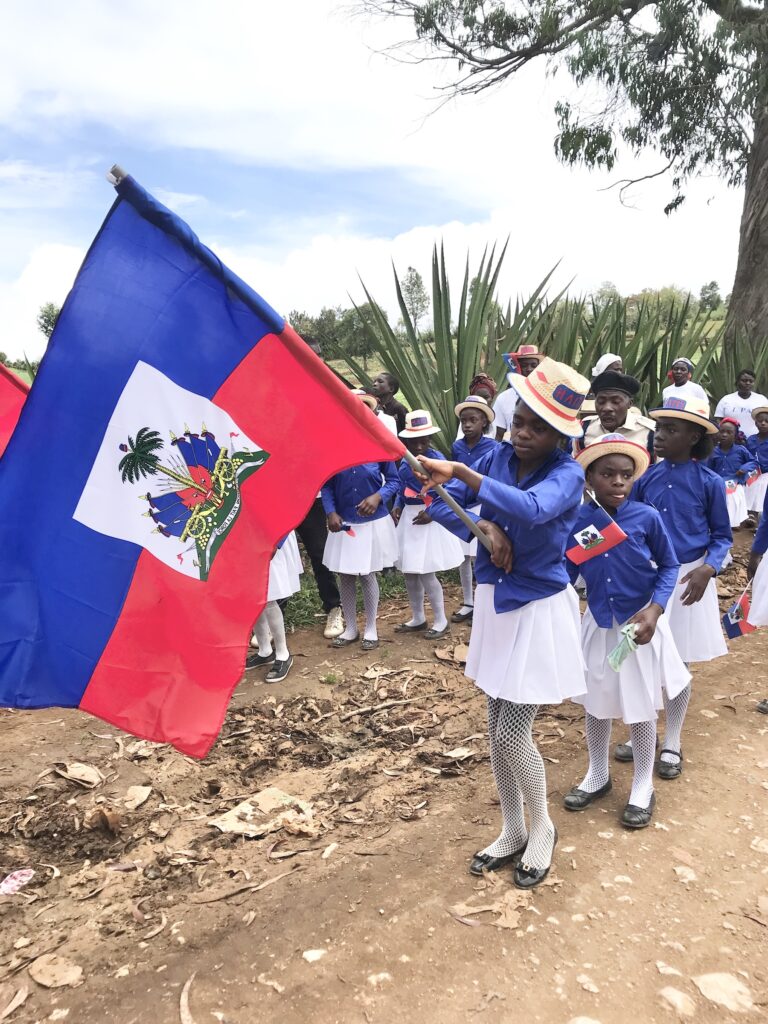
(177, 430)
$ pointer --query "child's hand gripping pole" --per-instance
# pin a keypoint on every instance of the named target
(471, 525)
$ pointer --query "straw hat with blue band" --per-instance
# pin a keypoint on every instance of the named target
(476, 402)
(693, 410)
(615, 444)
(555, 392)
(418, 424)
(512, 359)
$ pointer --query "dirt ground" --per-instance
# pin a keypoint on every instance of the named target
(368, 913)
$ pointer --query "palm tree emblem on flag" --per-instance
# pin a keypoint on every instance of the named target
(199, 495)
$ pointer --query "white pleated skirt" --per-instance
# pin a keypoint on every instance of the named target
(469, 548)
(528, 656)
(634, 693)
(758, 611)
(285, 570)
(428, 548)
(756, 493)
(696, 628)
(373, 548)
(737, 505)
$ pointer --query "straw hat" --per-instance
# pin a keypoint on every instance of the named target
(476, 402)
(369, 400)
(694, 410)
(512, 359)
(554, 392)
(615, 444)
(758, 410)
(418, 424)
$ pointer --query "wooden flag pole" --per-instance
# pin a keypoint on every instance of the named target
(470, 524)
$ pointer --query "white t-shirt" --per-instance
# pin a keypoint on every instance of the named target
(504, 407)
(688, 390)
(740, 409)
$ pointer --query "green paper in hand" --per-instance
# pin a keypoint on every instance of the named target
(625, 646)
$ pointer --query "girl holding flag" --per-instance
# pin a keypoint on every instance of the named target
(424, 548)
(361, 540)
(525, 648)
(630, 570)
(475, 427)
(734, 463)
(691, 501)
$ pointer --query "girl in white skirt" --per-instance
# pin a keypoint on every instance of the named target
(476, 427)
(525, 648)
(285, 571)
(733, 463)
(361, 541)
(757, 571)
(691, 501)
(630, 583)
(424, 548)
(757, 446)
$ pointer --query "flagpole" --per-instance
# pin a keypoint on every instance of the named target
(454, 506)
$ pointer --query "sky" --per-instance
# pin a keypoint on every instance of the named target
(308, 159)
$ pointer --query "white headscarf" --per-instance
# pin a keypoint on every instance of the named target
(603, 363)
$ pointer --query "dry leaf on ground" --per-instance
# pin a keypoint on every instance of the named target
(85, 775)
(11, 1000)
(267, 811)
(184, 1013)
(52, 971)
(136, 796)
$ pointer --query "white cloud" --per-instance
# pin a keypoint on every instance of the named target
(47, 277)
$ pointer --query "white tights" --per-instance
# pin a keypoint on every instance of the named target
(467, 592)
(643, 738)
(418, 585)
(348, 592)
(271, 622)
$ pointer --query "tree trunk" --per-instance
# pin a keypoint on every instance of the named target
(748, 309)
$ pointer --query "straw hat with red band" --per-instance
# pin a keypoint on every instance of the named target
(555, 392)
(512, 359)
(693, 410)
(756, 412)
(615, 444)
(369, 400)
(476, 402)
(418, 424)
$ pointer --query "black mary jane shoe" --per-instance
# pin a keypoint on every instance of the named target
(623, 752)
(638, 817)
(579, 799)
(437, 634)
(256, 660)
(405, 628)
(463, 616)
(762, 707)
(483, 862)
(670, 769)
(528, 878)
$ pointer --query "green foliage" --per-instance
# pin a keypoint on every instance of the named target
(709, 296)
(680, 77)
(336, 330)
(47, 316)
(415, 296)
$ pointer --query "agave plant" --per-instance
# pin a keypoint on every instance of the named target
(435, 372)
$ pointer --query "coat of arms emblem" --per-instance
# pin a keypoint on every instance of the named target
(196, 496)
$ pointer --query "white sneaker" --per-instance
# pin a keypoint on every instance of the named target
(334, 624)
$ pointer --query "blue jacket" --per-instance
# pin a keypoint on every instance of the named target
(408, 480)
(624, 579)
(344, 492)
(538, 513)
(691, 501)
(735, 464)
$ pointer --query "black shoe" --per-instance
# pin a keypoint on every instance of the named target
(762, 707)
(437, 634)
(638, 817)
(257, 660)
(623, 752)
(670, 769)
(528, 878)
(482, 862)
(463, 616)
(279, 670)
(579, 799)
(405, 628)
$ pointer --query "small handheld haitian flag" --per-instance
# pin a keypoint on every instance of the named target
(735, 619)
(599, 535)
(754, 475)
(158, 460)
(426, 498)
(731, 486)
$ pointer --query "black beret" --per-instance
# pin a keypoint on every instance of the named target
(612, 381)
